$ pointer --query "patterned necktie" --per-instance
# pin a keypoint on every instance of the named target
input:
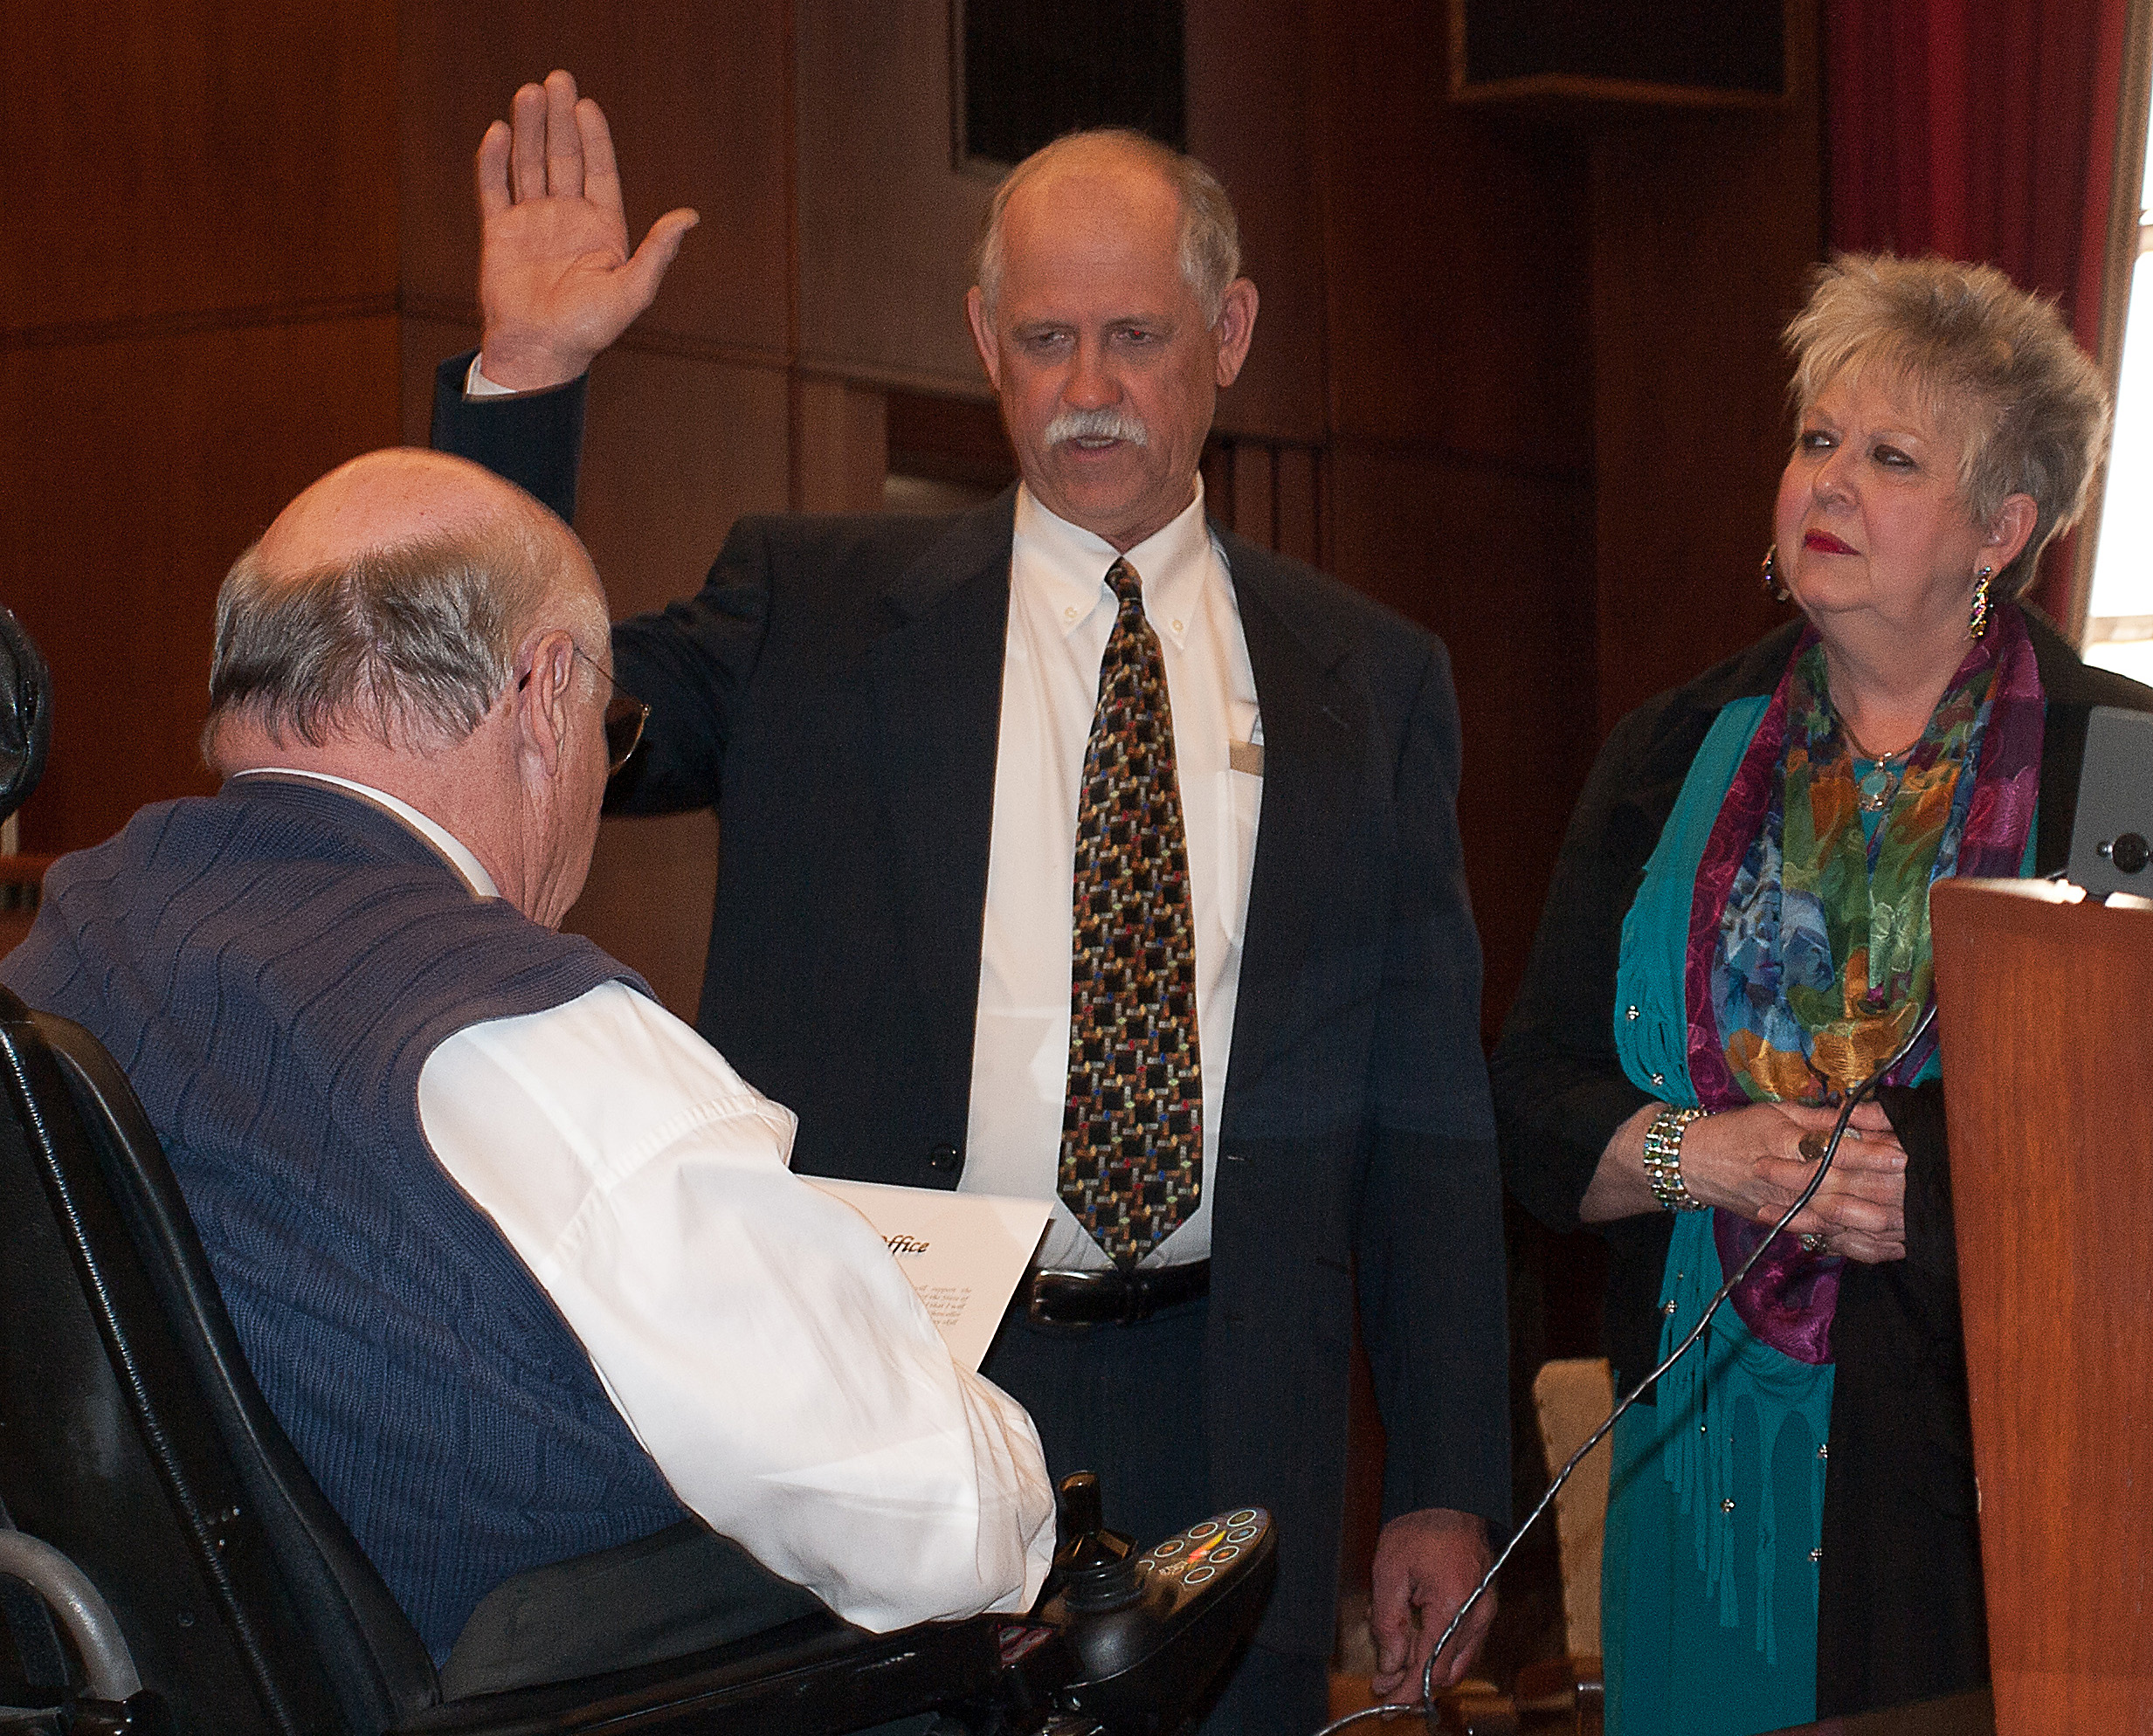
(1132, 1141)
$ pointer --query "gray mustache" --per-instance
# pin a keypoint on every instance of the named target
(1108, 423)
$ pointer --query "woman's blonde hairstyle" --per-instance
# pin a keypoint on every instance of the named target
(1982, 358)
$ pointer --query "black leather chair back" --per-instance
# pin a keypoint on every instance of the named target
(132, 1436)
(25, 713)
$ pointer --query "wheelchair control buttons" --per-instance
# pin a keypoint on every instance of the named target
(1193, 1557)
(1208, 1580)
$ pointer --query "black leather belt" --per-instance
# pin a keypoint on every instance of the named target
(1109, 1298)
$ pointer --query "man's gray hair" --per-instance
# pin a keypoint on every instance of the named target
(407, 644)
(1984, 359)
(1210, 236)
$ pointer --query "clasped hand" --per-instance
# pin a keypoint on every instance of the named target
(556, 282)
(1750, 1160)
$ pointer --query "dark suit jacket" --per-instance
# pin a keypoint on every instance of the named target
(1900, 1614)
(834, 690)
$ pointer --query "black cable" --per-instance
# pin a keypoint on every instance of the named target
(1855, 1099)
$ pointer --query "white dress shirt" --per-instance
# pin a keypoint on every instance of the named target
(1061, 612)
(754, 1333)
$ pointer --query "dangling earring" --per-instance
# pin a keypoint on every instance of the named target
(1775, 587)
(1977, 621)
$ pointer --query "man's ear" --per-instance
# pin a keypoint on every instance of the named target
(1235, 328)
(541, 697)
(983, 336)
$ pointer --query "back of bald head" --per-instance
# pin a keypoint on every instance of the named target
(386, 604)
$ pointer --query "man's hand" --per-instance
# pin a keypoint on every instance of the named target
(1426, 1565)
(556, 284)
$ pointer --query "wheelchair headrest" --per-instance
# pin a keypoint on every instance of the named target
(25, 713)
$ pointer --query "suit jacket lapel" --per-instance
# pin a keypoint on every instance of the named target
(936, 680)
(1314, 737)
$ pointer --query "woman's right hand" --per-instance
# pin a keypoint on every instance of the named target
(1750, 1160)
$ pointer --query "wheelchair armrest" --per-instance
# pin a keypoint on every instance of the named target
(1134, 1667)
(813, 1674)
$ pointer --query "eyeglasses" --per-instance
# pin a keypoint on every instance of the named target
(625, 715)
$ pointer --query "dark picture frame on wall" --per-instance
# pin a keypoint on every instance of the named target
(1024, 72)
(1694, 54)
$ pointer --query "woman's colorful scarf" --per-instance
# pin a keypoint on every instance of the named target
(1808, 960)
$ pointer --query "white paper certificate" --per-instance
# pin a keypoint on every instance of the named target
(965, 1253)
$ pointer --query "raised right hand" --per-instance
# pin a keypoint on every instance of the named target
(556, 282)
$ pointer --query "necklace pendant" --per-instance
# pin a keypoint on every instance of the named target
(1873, 789)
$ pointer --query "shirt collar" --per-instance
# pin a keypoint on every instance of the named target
(1067, 565)
(438, 835)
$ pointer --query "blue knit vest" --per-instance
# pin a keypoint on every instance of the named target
(272, 966)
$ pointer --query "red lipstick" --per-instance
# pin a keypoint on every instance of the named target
(1825, 543)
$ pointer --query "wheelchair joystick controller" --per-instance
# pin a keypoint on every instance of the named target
(1143, 1634)
(1095, 1567)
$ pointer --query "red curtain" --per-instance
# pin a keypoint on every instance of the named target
(1983, 130)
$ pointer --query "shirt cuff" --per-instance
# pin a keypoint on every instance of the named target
(476, 385)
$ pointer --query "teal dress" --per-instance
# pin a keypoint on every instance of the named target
(1716, 1503)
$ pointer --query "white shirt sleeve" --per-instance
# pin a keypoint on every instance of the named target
(754, 1333)
(476, 385)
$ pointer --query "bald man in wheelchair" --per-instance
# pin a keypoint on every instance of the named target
(513, 1255)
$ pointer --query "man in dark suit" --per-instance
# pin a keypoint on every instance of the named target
(1183, 945)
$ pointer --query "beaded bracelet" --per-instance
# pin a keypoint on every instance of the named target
(1663, 1159)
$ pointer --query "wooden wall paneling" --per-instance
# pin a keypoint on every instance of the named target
(1254, 492)
(1299, 527)
(885, 219)
(840, 446)
(949, 439)
(1456, 267)
(678, 449)
(196, 305)
(695, 99)
(1702, 231)
(1461, 483)
(423, 345)
(132, 472)
(688, 422)
(1217, 469)
(648, 899)
(1417, 533)
(1249, 95)
(169, 160)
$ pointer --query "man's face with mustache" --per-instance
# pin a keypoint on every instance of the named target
(1099, 350)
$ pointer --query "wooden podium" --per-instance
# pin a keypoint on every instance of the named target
(2045, 1009)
